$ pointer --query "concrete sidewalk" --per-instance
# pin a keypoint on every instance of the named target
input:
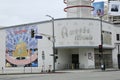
(65, 71)
(89, 70)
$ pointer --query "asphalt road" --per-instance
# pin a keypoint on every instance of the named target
(69, 75)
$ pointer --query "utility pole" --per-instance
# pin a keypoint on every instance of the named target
(53, 36)
(101, 46)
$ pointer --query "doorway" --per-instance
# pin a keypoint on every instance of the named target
(75, 61)
(107, 55)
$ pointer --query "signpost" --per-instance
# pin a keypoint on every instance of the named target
(38, 37)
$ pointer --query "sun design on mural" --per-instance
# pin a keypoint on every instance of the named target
(21, 49)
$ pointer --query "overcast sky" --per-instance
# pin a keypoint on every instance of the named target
(15, 12)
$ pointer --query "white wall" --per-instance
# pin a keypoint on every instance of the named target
(81, 32)
(79, 11)
(115, 49)
(2, 49)
(45, 45)
(84, 61)
(64, 59)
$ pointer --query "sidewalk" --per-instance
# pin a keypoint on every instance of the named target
(65, 71)
(89, 70)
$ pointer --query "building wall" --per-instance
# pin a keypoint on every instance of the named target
(116, 49)
(74, 8)
(83, 32)
(67, 43)
(2, 49)
(86, 57)
(64, 60)
(45, 45)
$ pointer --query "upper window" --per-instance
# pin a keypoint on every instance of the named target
(118, 37)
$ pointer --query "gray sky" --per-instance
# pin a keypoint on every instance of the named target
(14, 12)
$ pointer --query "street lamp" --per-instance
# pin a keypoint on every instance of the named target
(53, 36)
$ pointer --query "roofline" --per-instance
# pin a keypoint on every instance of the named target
(41, 22)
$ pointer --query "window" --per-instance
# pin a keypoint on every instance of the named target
(117, 37)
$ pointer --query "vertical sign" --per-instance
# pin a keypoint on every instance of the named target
(114, 8)
(98, 8)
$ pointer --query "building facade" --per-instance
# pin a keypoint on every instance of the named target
(77, 43)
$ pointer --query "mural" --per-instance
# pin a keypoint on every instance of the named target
(21, 49)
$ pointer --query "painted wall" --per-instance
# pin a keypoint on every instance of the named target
(21, 48)
(44, 46)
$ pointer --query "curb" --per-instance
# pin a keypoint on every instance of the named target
(32, 73)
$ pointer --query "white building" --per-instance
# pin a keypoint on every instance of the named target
(77, 43)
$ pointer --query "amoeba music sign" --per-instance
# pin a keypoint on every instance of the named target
(77, 33)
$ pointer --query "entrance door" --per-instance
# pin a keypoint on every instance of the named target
(118, 61)
(107, 55)
(75, 61)
(107, 60)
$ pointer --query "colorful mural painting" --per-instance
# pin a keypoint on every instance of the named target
(21, 49)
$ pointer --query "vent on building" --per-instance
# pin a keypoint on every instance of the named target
(114, 19)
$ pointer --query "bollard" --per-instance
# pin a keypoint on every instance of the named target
(49, 70)
(2, 70)
(72, 66)
(24, 69)
(103, 67)
(42, 68)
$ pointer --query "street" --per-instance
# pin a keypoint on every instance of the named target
(69, 75)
